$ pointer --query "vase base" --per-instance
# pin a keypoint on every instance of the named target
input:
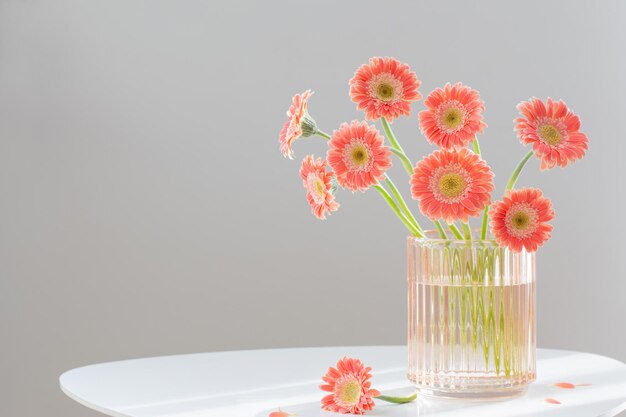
(498, 394)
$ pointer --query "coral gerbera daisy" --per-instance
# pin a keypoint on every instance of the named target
(452, 185)
(358, 156)
(299, 123)
(384, 88)
(553, 130)
(349, 387)
(318, 184)
(521, 219)
(454, 115)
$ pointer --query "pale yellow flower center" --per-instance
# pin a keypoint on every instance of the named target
(350, 393)
(521, 220)
(451, 185)
(550, 135)
(359, 155)
(319, 187)
(385, 87)
(316, 187)
(452, 118)
(384, 91)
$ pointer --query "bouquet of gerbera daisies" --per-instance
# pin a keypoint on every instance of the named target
(453, 183)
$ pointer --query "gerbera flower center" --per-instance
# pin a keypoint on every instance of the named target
(316, 187)
(357, 156)
(384, 91)
(451, 185)
(385, 87)
(550, 134)
(349, 393)
(521, 220)
(451, 116)
(319, 187)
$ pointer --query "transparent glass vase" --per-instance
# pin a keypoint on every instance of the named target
(471, 318)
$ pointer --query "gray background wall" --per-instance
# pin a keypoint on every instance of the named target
(145, 209)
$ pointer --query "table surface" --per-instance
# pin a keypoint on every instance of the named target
(257, 382)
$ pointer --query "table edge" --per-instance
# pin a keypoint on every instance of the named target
(611, 413)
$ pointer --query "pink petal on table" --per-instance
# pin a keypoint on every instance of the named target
(565, 385)
(280, 413)
(552, 401)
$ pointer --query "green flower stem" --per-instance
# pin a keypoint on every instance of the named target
(403, 158)
(513, 180)
(323, 134)
(467, 231)
(397, 400)
(406, 162)
(483, 228)
(396, 210)
(405, 209)
(476, 145)
(442, 232)
(455, 230)
(485, 219)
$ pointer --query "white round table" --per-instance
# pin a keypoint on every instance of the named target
(257, 382)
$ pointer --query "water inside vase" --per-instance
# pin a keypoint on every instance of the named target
(465, 340)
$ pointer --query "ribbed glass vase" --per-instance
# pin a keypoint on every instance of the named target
(471, 324)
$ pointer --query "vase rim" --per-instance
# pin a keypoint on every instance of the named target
(432, 237)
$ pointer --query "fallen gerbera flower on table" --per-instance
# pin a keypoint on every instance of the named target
(351, 389)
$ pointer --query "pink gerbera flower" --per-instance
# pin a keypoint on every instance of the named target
(384, 88)
(452, 185)
(350, 388)
(553, 130)
(358, 156)
(521, 219)
(299, 123)
(454, 115)
(318, 184)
